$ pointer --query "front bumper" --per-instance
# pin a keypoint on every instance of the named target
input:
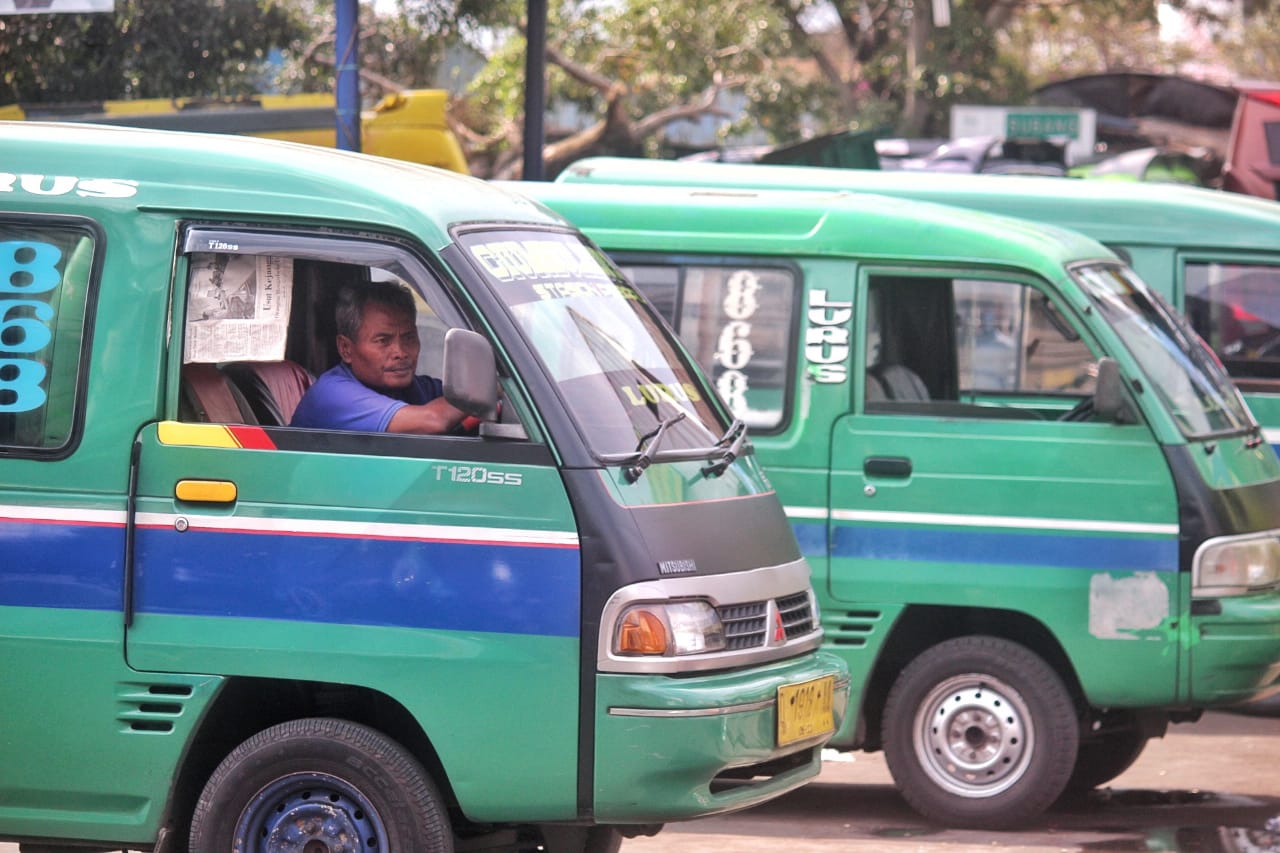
(673, 748)
(1235, 653)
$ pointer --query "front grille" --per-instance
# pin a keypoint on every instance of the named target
(797, 614)
(746, 626)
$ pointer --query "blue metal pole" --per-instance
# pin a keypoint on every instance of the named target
(535, 89)
(347, 56)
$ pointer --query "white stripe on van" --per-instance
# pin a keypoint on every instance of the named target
(1004, 521)
(302, 526)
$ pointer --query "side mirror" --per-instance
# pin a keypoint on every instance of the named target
(1110, 400)
(470, 374)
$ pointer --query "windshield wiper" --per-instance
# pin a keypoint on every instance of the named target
(648, 445)
(732, 440)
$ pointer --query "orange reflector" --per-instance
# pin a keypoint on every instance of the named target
(642, 632)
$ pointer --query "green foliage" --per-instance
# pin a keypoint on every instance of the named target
(145, 49)
(964, 65)
(1255, 46)
(665, 53)
(1057, 43)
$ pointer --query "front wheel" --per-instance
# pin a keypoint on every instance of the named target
(980, 732)
(1104, 758)
(320, 785)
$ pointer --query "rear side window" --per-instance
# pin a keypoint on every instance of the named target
(736, 319)
(46, 268)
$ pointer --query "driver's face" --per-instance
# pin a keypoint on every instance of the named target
(384, 353)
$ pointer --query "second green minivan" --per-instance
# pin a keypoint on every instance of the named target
(1042, 522)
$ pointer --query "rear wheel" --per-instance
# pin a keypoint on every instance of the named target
(320, 786)
(980, 732)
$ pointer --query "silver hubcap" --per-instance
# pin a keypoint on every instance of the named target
(974, 736)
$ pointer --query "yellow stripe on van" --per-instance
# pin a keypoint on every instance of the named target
(195, 435)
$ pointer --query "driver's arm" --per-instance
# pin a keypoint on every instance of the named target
(431, 418)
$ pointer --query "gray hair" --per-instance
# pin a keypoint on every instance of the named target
(352, 299)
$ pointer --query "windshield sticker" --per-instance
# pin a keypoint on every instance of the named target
(538, 260)
(826, 340)
(26, 268)
(649, 393)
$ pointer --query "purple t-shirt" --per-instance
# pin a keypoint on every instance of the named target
(338, 400)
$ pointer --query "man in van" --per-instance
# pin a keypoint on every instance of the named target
(375, 387)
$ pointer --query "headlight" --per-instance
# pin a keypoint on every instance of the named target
(1236, 566)
(673, 628)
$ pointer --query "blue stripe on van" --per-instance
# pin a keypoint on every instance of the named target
(47, 564)
(460, 586)
(896, 542)
(463, 586)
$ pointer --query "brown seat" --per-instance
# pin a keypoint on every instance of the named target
(273, 388)
(209, 396)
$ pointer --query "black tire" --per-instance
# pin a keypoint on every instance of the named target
(603, 839)
(1101, 759)
(979, 732)
(338, 782)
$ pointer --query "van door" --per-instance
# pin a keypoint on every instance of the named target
(973, 480)
(440, 571)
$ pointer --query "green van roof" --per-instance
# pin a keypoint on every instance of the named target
(195, 173)
(782, 223)
(1131, 213)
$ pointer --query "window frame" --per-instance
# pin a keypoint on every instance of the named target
(424, 276)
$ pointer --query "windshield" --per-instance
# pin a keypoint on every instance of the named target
(617, 367)
(1186, 376)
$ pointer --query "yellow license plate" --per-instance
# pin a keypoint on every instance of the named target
(805, 710)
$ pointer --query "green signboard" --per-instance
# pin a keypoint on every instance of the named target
(1042, 125)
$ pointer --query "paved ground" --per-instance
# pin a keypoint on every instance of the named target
(1201, 789)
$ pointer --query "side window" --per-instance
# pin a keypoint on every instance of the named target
(1236, 308)
(736, 319)
(1013, 339)
(947, 346)
(45, 277)
(260, 328)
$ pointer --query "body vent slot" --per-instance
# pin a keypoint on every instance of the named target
(851, 628)
(151, 708)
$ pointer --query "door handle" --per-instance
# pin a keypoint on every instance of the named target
(886, 466)
(205, 491)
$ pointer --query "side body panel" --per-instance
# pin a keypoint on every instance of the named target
(457, 600)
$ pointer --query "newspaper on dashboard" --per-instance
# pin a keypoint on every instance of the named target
(237, 307)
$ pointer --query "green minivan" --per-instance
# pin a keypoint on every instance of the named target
(571, 619)
(1042, 522)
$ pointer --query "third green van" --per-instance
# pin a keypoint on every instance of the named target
(1215, 255)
